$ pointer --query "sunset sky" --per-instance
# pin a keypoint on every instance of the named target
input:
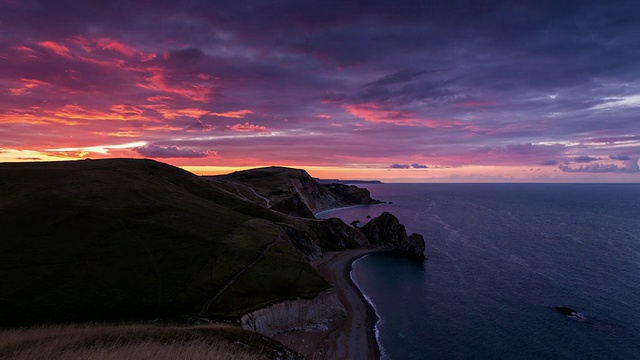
(394, 90)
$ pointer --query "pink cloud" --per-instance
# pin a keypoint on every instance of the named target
(239, 114)
(246, 127)
(57, 48)
(375, 113)
(194, 90)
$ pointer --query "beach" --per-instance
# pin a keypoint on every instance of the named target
(352, 337)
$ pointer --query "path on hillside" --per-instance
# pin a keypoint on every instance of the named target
(206, 306)
(261, 197)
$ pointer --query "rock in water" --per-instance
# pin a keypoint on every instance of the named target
(386, 230)
(567, 311)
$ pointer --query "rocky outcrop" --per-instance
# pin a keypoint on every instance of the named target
(385, 230)
(316, 236)
(300, 314)
(569, 312)
(335, 234)
(292, 191)
(294, 205)
(351, 194)
(304, 242)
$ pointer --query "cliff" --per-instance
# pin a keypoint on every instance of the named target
(313, 237)
(292, 191)
(387, 231)
(300, 314)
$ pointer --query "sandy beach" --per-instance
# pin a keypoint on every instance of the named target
(352, 337)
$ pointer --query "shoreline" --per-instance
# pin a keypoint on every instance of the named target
(324, 212)
(352, 337)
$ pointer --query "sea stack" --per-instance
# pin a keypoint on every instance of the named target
(386, 230)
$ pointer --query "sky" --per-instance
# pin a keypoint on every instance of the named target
(407, 91)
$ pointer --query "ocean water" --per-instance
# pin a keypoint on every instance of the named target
(500, 257)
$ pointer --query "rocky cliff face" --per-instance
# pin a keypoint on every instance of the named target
(315, 236)
(293, 191)
(385, 230)
(335, 234)
(351, 194)
(300, 314)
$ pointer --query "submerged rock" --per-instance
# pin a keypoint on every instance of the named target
(567, 311)
(386, 230)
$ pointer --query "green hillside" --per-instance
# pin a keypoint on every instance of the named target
(124, 239)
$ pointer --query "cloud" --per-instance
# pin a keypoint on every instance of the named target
(398, 82)
(156, 151)
(620, 157)
(629, 167)
(399, 77)
(399, 166)
(199, 125)
(247, 127)
(584, 159)
(184, 56)
(238, 114)
(614, 102)
(419, 166)
(59, 49)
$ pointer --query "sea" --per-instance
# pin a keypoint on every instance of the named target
(500, 258)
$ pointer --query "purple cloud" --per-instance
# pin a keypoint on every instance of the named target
(622, 157)
(425, 81)
(584, 159)
(602, 168)
(156, 151)
(399, 166)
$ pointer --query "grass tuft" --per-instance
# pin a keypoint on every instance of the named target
(137, 341)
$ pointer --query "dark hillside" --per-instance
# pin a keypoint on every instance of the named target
(124, 239)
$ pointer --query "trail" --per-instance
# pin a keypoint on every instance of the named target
(233, 279)
(261, 197)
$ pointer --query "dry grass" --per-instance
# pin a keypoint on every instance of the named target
(135, 341)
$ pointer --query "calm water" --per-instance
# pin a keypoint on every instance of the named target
(500, 257)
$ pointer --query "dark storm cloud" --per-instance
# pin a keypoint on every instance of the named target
(419, 166)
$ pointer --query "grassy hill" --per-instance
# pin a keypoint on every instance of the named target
(124, 239)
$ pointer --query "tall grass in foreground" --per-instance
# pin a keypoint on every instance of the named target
(134, 341)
